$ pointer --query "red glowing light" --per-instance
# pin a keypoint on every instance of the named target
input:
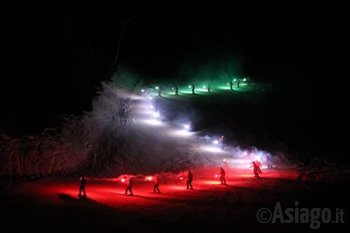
(148, 178)
(181, 178)
(216, 175)
(123, 180)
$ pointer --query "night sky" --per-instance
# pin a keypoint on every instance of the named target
(54, 59)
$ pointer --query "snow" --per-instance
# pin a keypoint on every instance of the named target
(52, 204)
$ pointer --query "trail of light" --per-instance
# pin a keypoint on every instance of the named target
(147, 108)
(135, 97)
(144, 108)
(180, 133)
(156, 114)
(212, 149)
(152, 122)
(240, 161)
(147, 112)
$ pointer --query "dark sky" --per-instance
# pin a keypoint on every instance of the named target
(54, 59)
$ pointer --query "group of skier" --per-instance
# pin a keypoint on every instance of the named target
(193, 88)
(130, 184)
(156, 181)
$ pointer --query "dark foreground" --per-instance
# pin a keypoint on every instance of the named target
(52, 205)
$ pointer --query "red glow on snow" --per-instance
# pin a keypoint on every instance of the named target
(210, 182)
(246, 175)
(110, 191)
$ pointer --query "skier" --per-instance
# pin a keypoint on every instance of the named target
(193, 88)
(255, 169)
(156, 184)
(160, 88)
(189, 180)
(129, 186)
(176, 90)
(259, 166)
(231, 84)
(82, 187)
(222, 176)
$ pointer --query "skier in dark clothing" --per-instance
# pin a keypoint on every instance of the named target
(231, 85)
(129, 187)
(176, 90)
(256, 169)
(193, 88)
(82, 187)
(160, 89)
(156, 184)
(189, 180)
(222, 176)
(259, 166)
